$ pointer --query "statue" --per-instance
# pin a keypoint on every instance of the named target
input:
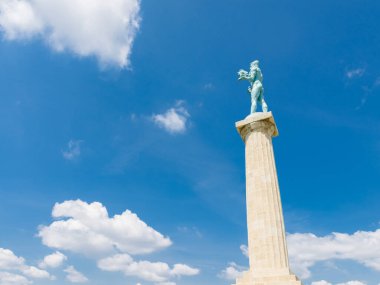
(256, 89)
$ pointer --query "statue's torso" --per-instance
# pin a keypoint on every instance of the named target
(256, 75)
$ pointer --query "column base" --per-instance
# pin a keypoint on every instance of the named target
(249, 278)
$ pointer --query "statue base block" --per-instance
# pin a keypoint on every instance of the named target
(249, 278)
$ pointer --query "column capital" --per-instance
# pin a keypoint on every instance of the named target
(256, 122)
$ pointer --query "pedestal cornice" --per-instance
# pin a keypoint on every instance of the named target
(257, 122)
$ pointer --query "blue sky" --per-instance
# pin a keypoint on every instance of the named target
(129, 107)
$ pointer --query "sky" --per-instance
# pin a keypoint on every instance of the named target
(120, 162)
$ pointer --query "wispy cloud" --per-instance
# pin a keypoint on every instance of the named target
(174, 120)
(244, 250)
(73, 150)
(103, 29)
(355, 73)
(368, 91)
(190, 230)
(209, 86)
(74, 276)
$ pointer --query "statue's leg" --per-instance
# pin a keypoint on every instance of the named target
(262, 101)
(255, 93)
(264, 105)
(253, 105)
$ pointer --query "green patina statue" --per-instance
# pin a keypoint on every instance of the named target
(256, 89)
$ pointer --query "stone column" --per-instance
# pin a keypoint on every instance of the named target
(268, 255)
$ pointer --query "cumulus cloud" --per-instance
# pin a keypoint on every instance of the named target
(103, 29)
(35, 272)
(75, 276)
(7, 278)
(88, 229)
(183, 269)
(174, 120)
(352, 283)
(73, 150)
(357, 72)
(158, 272)
(53, 260)
(232, 271)
(18, 20)
(322, 282)
(307, 249)
(9, 261)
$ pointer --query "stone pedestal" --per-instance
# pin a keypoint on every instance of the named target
(268, 254)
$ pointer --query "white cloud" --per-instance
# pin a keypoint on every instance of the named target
(150, 271)
(35, 272)
(232, 272)
(352, 283)
(244, 250)
(103, 29)
(18, 20)
(88, 229)
(307, 249)
(209, 86)
(73, 150)
(322, 282)
(75, 276)
(190, 230)
(7, 278)
(9, 261)
(183, 269)
(53, 260)
(173, 120)
(357, 72)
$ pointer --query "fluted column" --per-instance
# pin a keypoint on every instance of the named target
(268, 255)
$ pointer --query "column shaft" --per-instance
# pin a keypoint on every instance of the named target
(266, 235)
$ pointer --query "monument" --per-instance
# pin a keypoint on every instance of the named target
(267, 249)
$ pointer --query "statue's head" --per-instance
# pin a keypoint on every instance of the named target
(255, 63)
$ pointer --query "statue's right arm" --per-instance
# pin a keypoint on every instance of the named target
(242, 74)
